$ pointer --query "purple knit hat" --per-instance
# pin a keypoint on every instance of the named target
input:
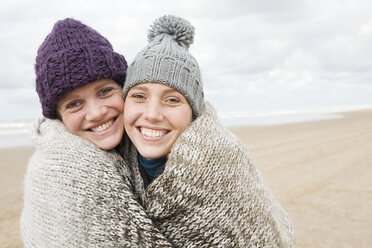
(71, 56)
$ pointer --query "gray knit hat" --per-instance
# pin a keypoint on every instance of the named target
(166, 60)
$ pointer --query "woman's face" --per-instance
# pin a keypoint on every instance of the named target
(155, 115)
(95, 112)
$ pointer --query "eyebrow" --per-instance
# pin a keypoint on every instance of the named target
(77, 95)
(144, 88)
(139, 87)
(68, 98)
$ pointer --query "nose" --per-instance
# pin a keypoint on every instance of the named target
(95, 111)
(153, 112)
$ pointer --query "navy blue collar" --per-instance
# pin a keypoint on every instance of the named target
(153, 167)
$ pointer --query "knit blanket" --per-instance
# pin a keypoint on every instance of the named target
(77, 195)
(212, 195)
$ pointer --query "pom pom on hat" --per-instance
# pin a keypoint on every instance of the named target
(180, 29)
(166, 60)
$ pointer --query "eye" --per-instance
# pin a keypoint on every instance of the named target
(138, 96)
(173, 100)
(105, 91)
(73, 105)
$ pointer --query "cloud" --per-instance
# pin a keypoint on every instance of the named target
(258, 48)
(19, 104)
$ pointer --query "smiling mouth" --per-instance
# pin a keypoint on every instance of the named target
(151, 133)
(103, 127)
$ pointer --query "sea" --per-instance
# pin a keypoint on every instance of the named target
(17, 133)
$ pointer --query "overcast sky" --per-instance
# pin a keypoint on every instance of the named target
(261, 54)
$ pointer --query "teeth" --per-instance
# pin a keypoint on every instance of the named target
(152, 133)
(102, 127)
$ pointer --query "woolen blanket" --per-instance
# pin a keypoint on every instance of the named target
(77, 195)
(212, 195)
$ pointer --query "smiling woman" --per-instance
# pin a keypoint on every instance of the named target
(201, 187)
(155, 115)
(94, 112)
(78, 190)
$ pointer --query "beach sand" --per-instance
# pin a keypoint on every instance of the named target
(320, 172)
(13, 163)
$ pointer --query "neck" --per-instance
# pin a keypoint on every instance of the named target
(153, 167)
(151, 163)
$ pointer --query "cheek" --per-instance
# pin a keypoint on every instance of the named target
(117, 102)
(182, 119)
(72, 122)
(122, 105)
(131, 111)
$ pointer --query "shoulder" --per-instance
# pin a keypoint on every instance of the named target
(206, 144)
(61, 155)
(206, 133)
(47, 133)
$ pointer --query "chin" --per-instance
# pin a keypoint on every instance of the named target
(152, 155)
(107, 145)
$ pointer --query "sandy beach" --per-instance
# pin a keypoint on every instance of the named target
(319, 171)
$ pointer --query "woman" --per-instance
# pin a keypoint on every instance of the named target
(78, 191)
(202, 188)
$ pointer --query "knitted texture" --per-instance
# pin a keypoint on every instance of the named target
(76, 195)
(166, 60)
(211, 194)
(71, 56)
